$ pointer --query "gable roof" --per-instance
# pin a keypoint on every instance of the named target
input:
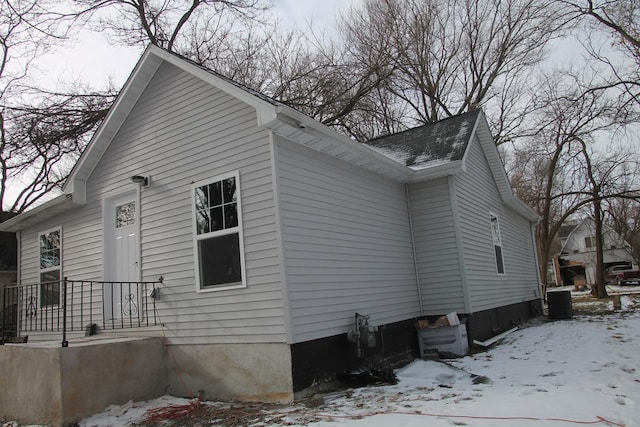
(567, 231)
(424, 161)
(438, 149)
(272, 115)
(429, 145)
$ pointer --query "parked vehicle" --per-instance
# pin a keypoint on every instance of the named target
(621, 274)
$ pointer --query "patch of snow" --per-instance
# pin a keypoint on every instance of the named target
(396, 155)
(585, 370)
(129, 413)
(425, 162)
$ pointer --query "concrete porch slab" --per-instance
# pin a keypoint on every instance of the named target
(46, 384)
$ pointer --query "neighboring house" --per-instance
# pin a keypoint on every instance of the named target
(576, 262)
(270, 231)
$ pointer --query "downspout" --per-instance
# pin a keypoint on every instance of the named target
(413, 249)
(537, 262)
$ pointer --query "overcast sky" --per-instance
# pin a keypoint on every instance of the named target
(91, 58)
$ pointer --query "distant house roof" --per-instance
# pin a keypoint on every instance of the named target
(429, 145)
(565, 229)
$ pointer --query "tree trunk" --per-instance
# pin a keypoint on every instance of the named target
(599, 288)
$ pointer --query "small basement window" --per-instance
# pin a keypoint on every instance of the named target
(218, 233)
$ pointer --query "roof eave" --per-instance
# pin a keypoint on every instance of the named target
(135, 85)
(297, 127)
(433, 172)
(137, 81)
(36, 215)
(523, 209)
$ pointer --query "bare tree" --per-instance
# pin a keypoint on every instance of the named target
(452, 56)
(610, 176)
(620, 20)
(623, 216)
(27, 29)
(560, 171)
(43, 138)
(163, 23)
(324, 77)
(43, 131)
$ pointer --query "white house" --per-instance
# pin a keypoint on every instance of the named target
(270, 231)
(577, 256)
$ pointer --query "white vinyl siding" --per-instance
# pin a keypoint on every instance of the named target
(182, 131)
(346, 242)
(477, 195)
(82, 256)
(437, 251)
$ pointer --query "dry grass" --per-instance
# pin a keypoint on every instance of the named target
(585, 304)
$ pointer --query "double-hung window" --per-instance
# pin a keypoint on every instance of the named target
(218, 233)
(50, 244)
(497, 243)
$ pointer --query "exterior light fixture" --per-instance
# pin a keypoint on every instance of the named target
(141, 180)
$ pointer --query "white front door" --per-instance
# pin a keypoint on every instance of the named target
(122, 257)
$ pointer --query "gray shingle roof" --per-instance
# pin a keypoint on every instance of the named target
(429, 145)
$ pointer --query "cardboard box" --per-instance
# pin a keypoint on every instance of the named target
(453, 319)
(446, 340)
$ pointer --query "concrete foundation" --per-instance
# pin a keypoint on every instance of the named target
(43, 383)
(58, 386)
(245, 372)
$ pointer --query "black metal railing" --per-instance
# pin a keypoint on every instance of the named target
(75, 305)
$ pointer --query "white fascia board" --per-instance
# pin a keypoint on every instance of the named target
(235, 91)
(445, 169)
(39, 213)
(523, 209)
(272, 115)
(487, 144)
(135, 85)
(303, 126)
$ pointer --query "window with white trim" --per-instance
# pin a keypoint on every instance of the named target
(50, 244)
(497, 243)
(218, 233)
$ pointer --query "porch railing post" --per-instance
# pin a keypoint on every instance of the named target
(65, 343)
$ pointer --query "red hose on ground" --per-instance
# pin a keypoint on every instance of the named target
(477, 417)
(172, 412)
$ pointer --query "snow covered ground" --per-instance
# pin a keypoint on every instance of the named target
(549, 373)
